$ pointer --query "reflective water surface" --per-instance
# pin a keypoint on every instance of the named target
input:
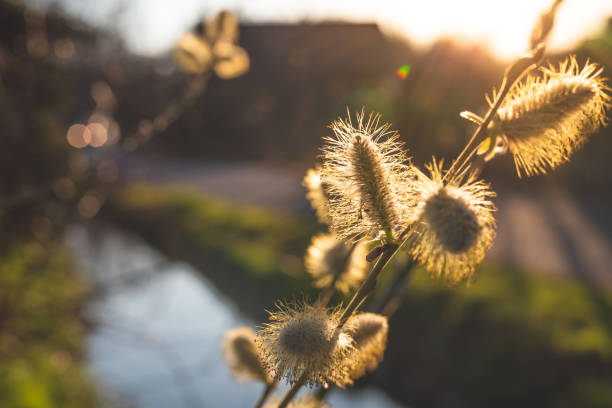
(158, 328)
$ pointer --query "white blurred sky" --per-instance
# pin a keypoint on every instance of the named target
(152, 26)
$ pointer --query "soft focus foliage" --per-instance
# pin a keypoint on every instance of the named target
(41, 339)
(329, 259)
(242, 355)
(193, 54)
(508, 332)
(258, 242)
(369, 332)
(318, 195)
(214, 48)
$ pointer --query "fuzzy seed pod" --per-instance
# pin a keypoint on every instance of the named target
(241, 355)
(317, 194)
(302, 340)
(545, 119)
(454, 225)
(370, 341)
(327, 257)
(307, 401)
(369, 176)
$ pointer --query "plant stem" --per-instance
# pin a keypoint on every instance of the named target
(364, 290)
(393, 289)
(369, 283)
(386, 304)
(326, 295)
(265, 394)
(513, 73)
(479, 136)
(293, 391)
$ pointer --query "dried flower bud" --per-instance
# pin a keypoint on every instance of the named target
(454, 225)
(369, 331)
(241, 355)
(317, 194)
(328, 257)
(193, 54)
(222, 27)
(302, 340)
(545, 119)
(230, 60)
(371, 175)
(543, 27)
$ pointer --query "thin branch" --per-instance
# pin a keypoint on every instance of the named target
(513, 73)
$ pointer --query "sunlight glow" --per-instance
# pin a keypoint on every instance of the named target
(152, 26)
(503, 27)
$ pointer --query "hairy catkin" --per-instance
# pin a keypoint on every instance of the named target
(547, 118)
(369, 176)
(454, 225)
(302, 340)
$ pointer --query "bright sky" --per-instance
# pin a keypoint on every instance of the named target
(152, 26)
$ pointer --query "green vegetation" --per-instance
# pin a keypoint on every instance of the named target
(242, 250)
(510, 339)
(41, 336)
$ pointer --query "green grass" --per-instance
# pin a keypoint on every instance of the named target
(41, 334)
(563, 309)
(510, 339)
(241, 249)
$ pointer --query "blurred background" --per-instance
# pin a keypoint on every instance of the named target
(150, 199)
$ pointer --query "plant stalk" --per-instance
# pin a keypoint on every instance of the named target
(364, 290)
(265, 394)
(293, 391)
(386, 304)
(513, 73)
(326, 295)
(368, 284)
(393, 289)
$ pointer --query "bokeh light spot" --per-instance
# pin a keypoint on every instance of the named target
(99, 135)
(78, 136)
(103, 95)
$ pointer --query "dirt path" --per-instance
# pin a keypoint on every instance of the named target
(549, 233)
(545, 232)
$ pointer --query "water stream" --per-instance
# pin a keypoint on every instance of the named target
(159, 328)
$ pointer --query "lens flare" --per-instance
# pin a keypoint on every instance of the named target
(403, 72)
